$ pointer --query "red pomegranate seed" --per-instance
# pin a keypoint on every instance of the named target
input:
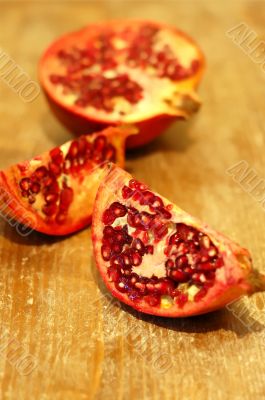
(119, 237)
(134, 278)
(205, 266)
(108, 217)
(194, 66)
(157, 202)
(32, 199)
(53, 187)
(208, 253)
(134, 184)
(182, 249)
(25, 184)
(114, 274)
(84, 147)
(193, 248)
(106, 252)
(182, 299)
(49, 209)
(198, 277)
(55, 169)
(55, 79)
(51, 197)
(117, 248)
(73, 150)
(138, 244)
(175, 238)
(136, 259)
(35, 188)
(219, 263)
(66, 198)
(137, 195)
(41, 172)
(108, 231)
(149, 249)
(175, 293)
(181, 261)
(118, 209)
(134, 295)
(152, 300)
(164, 286)
(127, 192)
(110, 153)
(24, 193)
(122, 287)
(185, 232)
(178, 275)
(143, 220)
(56, 155)
(204, 241)
(188, 270)
(47, 180)
(170, 264)
(126, 259)
(199, 295)
(141, 287)
(164, 213)
(160, 232)
(150, 287)
(147, 198)
(61, 217)
(100, 143)
(116, 261)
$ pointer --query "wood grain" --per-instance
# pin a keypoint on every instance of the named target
(53, 304)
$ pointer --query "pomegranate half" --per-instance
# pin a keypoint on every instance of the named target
(137, 72)
(160, 260)
(54, 193)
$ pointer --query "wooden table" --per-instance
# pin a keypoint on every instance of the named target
(53, 305)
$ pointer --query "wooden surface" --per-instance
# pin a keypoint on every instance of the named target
(53, 305)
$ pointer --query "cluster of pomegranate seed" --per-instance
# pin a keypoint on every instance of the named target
(190, 257)
(141, 53)
(86, 68)
(98, 52)
(98, 91)
(51, 182)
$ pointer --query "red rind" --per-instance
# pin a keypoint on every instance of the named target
(148, 129)
(149, 126)
(84, 183)
(235, 279)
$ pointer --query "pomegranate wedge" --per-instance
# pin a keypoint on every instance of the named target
(158, 259)
(137, 72)
(54, 192)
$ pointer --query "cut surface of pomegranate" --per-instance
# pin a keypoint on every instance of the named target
(137, 72)
(54, 193)
(160, 260)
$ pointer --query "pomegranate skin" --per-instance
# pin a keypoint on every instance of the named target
(149, 125)
(236, 277)
(59, 201)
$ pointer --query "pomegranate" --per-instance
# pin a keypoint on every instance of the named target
(54, 193)
(137, 72)
(160, 260)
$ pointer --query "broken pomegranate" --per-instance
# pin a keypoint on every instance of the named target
(54, 193)
(158, 259)
(141, 73)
